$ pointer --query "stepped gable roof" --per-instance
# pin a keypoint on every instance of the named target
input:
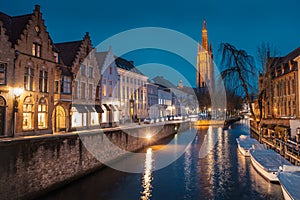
(68, 51)
(291, 55)
(100, 57)
(127, 65)
(14, 25)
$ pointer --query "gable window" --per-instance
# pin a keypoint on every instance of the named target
(91, 72)
(110, 89)
(83, 70)
(43, 81)
(104, 88)
(42, 114)
(3, 67)
(76, 90)
(28, 78)
(90, 91)
(110, 69)
(82, 90)
(66, 85)
(36, 49)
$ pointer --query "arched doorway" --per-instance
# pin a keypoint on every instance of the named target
(2, 115)
(60, 119)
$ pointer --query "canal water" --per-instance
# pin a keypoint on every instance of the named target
(209, 168)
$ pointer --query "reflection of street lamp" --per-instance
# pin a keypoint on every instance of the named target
(17, 93)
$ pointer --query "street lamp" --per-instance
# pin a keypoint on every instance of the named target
(17, 93)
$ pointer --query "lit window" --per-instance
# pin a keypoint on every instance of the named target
(104, 88)
(43, 81)
(28, 78)
(42, 114)
(36, 49)
(28, 112)
(3, 67)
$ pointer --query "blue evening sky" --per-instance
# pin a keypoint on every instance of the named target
(243, 23)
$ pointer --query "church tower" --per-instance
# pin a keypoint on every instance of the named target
(205, 63)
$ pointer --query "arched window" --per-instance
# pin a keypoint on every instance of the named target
(42, 114)
(2, 115)
(28, 113)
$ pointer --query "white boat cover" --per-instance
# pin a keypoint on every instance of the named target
(291, 182)
(291, 168)
(269, 159)
(246, 142)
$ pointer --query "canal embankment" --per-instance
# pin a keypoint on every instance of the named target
(30, 167)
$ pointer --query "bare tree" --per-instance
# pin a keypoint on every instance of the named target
(267, 55)
(238, 71)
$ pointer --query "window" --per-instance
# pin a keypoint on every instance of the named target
(110, 69)
(110, 89)
(76, 90)
(28, 112)
(90, 91)
(91, 72)
(66, 85)
(98, 92)
(3, 67)
(36, 49)
(104, 88)
(82, 90)
(56, 86)
(28, 78)
(43, 81)
(83, 70)
(42, 114)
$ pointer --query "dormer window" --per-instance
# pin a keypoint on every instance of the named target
(36, 50)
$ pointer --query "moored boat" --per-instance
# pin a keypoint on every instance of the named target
(289, 179)
(245, 144)
(267, 162)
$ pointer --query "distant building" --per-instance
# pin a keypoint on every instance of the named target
(152, 99)
(110, 84)
(164, 101)
(205, 63)
(133, 92)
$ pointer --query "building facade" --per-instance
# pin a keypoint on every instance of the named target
(133, 91)
(280, 86)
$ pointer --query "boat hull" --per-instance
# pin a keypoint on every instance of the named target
(270, 176)
(286, 195)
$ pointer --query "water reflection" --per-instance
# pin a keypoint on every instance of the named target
(147, 176)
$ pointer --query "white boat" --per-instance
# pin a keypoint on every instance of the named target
(267, 162)
(245, 143)
(289, 179)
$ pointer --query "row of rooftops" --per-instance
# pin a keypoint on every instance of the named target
(280, 66)
(67, 51)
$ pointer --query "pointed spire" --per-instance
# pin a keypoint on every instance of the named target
(204, 36)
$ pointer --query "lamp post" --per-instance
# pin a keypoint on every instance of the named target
(17, 93)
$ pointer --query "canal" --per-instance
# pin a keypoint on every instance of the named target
(210, 167)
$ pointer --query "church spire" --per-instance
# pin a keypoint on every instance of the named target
(204, 36)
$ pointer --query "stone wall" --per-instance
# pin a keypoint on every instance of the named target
(31, 167)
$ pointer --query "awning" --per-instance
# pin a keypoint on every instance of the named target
(106, 107)
(80, 108)
(90, 108)
(113, 107)
(99, 109)
(118, 108)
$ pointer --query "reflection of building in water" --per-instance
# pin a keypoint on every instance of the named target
(147, 176)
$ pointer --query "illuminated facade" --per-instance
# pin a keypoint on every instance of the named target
(205, 63)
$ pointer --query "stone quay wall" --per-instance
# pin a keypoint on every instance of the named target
(30, 167)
